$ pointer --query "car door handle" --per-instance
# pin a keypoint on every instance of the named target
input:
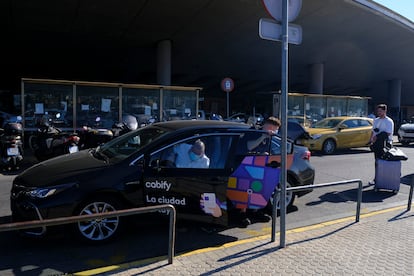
(273, 164)
(132, 183)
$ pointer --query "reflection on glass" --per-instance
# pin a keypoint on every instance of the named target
(179, 105)
(48, 103)
(97, 106)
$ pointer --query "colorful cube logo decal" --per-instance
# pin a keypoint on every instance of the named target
(253, 183)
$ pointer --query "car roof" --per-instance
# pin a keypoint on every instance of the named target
(295, 130)
(347, 117)
(199, 124)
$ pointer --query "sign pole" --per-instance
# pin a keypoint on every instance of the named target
(284, 86)
(228, 104)
(279, 10)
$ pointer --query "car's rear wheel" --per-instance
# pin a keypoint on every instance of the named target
(329, 146)
(290, 199)
(100, 229)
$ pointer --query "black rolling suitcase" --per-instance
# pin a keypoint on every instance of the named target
(387, 175)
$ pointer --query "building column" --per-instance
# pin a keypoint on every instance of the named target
(394, 100)
(316, 78)
(164, 62)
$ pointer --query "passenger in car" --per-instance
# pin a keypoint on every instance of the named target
(191, 156)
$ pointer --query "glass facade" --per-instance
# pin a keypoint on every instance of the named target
(71, 105)
(96, 106)
(52, 103)
(313, 108)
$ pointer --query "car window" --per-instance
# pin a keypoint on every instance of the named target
(364, 123)
(178, 154)
(255, 142)
(264, 144)
(124, 146)
(351, 123)
(327, 123)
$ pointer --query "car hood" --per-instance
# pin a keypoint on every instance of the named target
(313, 131)
(407, 126)
(62, 169)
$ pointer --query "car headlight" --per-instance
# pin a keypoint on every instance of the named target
(316, 136)
(40, 193)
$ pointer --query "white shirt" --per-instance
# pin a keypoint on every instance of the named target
(385, 124)
(183, 160)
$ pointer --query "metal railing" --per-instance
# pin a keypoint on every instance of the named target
(127, 212)
(307, 187)
(410, 195)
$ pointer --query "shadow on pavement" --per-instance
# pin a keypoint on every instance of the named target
(368, 196)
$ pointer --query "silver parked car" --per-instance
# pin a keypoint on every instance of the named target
(406, 133)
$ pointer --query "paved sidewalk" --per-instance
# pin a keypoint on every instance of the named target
(382, 243)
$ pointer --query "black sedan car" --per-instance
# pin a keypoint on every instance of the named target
(140, 169)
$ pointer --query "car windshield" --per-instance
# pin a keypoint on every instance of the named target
(124, 146)
(327, 123)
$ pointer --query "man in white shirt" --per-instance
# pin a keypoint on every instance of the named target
(191, 156)
(382, 132)
(382, 123)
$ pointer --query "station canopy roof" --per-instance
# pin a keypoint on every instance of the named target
(361, 45)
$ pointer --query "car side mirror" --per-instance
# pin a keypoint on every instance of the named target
(342, 126)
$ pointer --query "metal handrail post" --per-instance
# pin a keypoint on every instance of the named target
(274, 214)
(410, 195)
(358, 211)
(171, 236)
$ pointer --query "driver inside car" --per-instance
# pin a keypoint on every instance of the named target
(191, 156)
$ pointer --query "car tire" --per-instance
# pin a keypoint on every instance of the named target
(98, 230)
(329, 146)
(290, 199)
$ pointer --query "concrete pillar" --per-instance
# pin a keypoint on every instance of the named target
(394, 93)
(394, 99)
(316, 78)
(164, 62)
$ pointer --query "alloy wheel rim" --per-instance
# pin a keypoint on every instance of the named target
(100, 228)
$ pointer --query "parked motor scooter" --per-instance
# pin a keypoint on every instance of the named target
(50, 141)
(129, 123)
(93, 137)
(11, 145)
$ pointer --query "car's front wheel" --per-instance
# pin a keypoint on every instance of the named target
(329, 146)
(100, 229)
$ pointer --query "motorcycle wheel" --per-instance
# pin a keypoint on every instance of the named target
(33, 143)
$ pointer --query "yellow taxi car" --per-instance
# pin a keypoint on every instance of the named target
(343, 132)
